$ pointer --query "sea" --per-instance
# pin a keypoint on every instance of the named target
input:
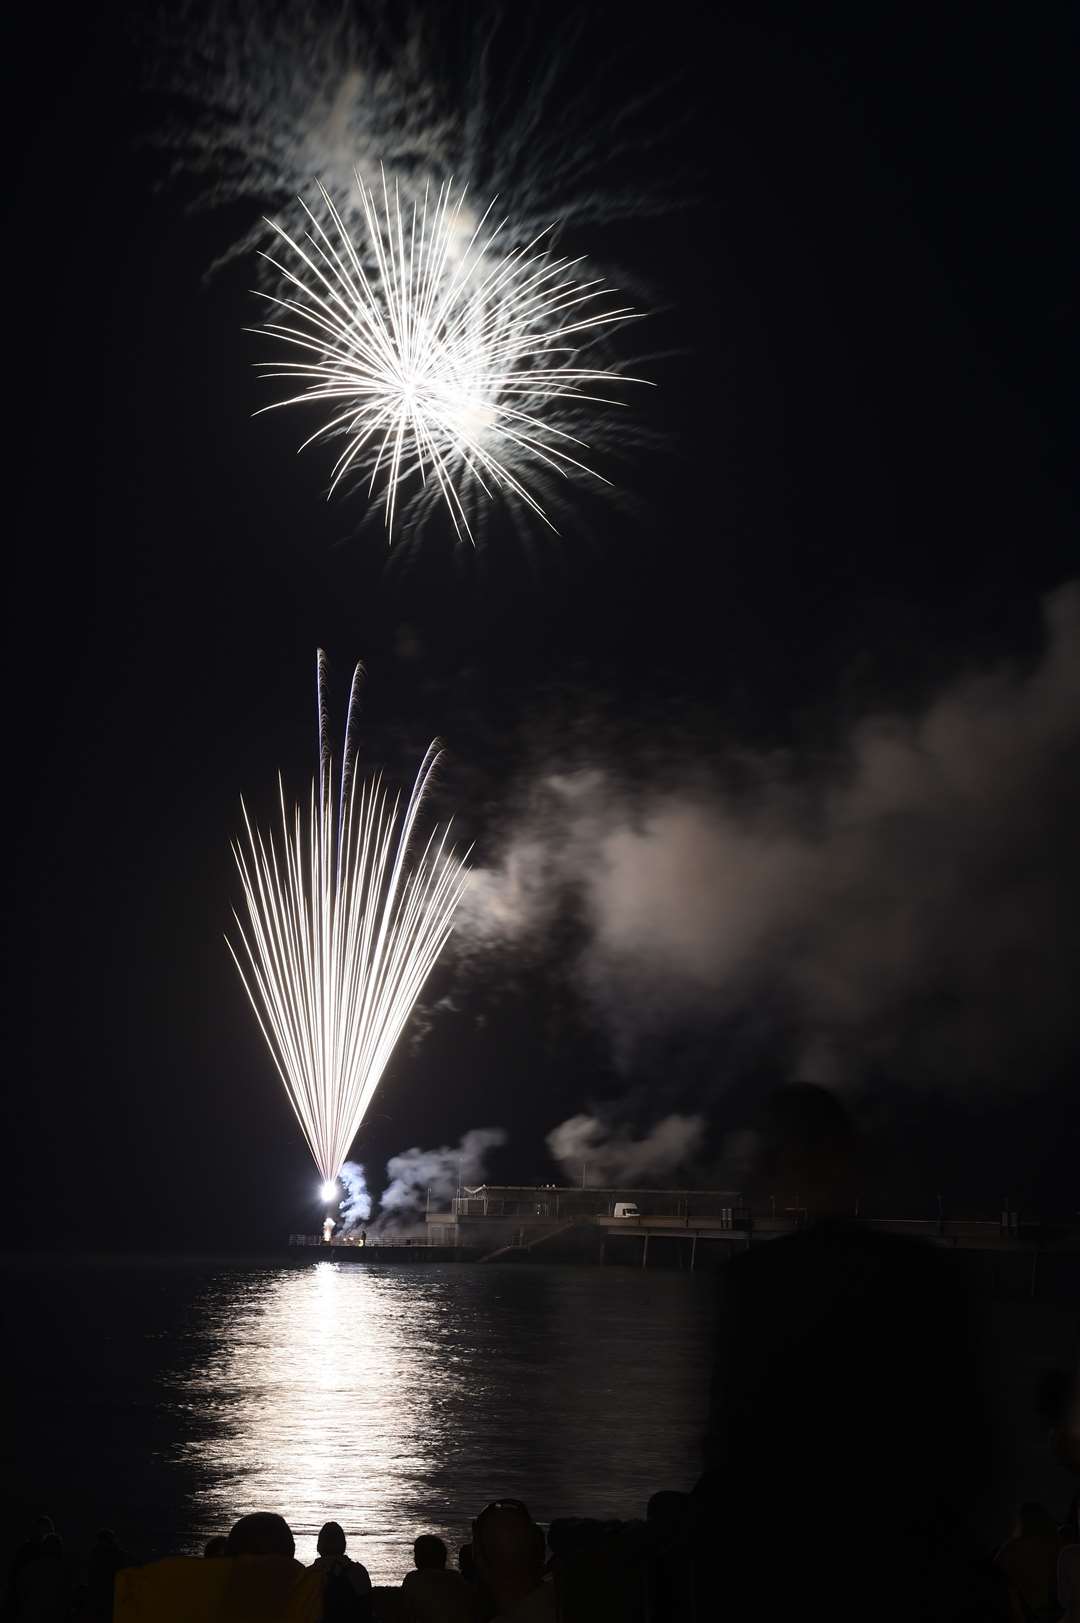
(165, 1398)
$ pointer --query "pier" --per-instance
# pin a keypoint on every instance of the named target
(692, 1229)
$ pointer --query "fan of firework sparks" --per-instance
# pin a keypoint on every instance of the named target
(343, 925)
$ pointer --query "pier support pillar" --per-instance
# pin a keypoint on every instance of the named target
(645, 1252)
(693, 1252)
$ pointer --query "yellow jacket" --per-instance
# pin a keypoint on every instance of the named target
(239, 1589)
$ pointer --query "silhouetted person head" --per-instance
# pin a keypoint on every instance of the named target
(571, 1537)
(331, 1540)
(216, 1547)
(466, 1563)
(106, 1543)
(102, 1564)
(262, 1533)
(40, 1529)
(52, 1548)
(429, 1552)
(806, 1149)
(509, 1551)
(106, 1551)
(562, 1536)
(668, 1509)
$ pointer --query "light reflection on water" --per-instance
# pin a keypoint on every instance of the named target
(317, 1386)
(399, 1401)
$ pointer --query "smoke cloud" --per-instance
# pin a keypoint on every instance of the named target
(593, 1152)
(906, 904)
(416, 1172)
(356, 1207)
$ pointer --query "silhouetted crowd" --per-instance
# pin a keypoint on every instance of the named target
(511, 1569)
(668, 1568)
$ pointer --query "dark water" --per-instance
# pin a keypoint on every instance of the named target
(165, 1399)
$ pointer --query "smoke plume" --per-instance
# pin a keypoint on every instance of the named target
(594, 1153)
(356, 1207)
(415, 1174)
(907, 904)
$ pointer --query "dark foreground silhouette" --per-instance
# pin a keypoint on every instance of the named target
(853, 1457)
(677, 1565)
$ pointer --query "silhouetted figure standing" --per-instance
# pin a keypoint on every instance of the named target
(848, 1441)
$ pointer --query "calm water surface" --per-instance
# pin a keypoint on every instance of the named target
(165, 1399)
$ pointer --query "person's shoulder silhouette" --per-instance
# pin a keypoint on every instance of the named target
(844, 1393)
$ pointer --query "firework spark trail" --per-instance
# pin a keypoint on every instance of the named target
(272, 96)
(447, 357)
(343, 929)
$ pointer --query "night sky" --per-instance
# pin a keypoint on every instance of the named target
(863, 494)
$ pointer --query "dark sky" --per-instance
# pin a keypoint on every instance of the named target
(865, 493)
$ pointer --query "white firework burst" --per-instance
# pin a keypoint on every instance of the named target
(343, 924)
(449, 364)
